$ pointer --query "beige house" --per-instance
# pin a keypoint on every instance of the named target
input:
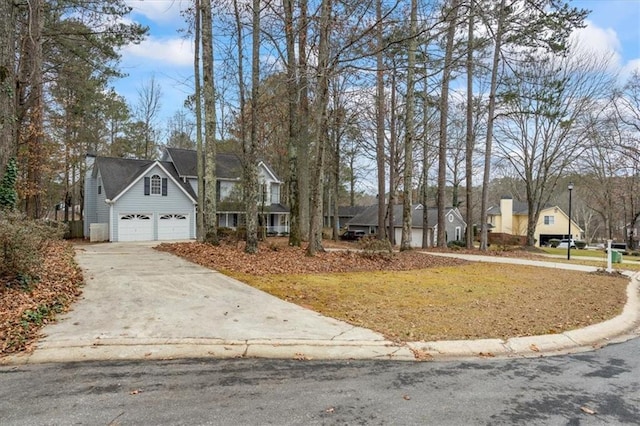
(511, 217)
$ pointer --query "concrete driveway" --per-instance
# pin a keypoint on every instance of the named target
(139, 302)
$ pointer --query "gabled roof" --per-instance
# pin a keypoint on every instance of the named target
(228, 166)
(118, 173)
(269, 171)
(369, 217)
(184, 160)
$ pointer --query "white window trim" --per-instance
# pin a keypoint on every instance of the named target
(155, 185)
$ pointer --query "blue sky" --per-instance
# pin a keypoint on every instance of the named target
(612, 28)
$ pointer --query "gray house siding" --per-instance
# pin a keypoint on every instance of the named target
(102, 208)
(90, 193)
(133, 201)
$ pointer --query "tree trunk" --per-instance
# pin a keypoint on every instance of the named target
(380, 130)
(425, 163)
(490, 119)
(444, 119)
(320, 121)
(393, 164)
(200, 232)
(405, 243)
(304, 152)
(250, 160)
(211, 226)
(292, 126)
(35, 135)
(337, 126)
(7, 84)
(470, 139)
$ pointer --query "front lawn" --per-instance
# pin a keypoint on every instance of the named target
(413, 296)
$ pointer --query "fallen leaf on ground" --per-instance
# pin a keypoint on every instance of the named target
(300, 357)
(588, 410)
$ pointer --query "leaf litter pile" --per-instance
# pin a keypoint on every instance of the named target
(27, 305)
(412, 296)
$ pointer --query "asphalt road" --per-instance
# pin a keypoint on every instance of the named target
(546, 391)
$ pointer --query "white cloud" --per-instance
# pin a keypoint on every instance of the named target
(170, 51)
(602, 42)
(629, 68)
(158, 10)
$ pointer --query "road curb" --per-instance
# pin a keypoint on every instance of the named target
(618, 329)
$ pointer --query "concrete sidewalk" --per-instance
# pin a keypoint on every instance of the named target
(140, 303)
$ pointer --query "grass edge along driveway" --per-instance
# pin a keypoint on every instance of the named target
(473, 301)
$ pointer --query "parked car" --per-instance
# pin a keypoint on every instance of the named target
(352, 235)
(619, 247)
(565, 243)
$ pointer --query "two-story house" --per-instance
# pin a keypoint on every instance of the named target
(512, 218)
(147, 200)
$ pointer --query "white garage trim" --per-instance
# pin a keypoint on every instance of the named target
(173, 226)
(135, 227)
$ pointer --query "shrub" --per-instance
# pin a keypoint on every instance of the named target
(372, 247)
(580, 244)
(8, 194)
(226, 235)
(21, 243)
(554, 242)
(457, 244)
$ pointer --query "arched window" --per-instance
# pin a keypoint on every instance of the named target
(156, 185)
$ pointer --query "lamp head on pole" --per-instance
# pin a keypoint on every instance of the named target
(570, 186)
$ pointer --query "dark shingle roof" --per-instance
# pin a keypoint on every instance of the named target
(519, 207)
(278, 208)
(350, 211)
(369, 217)
(118, 173)
(228, 166)
(184, 160)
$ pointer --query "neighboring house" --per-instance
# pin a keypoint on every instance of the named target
(454, 223)
(146, 200)
(345, 214)
(512, 217)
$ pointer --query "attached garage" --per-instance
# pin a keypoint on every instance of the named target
(173, 227)
(135, 227)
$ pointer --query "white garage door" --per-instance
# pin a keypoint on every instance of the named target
(173, 227)
(135, 227)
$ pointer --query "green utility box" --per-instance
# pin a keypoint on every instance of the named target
(616, 256)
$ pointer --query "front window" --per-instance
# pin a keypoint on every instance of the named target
(156, 185)
(275, 193)
(549, 220)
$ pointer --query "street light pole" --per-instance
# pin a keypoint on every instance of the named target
(570, 187)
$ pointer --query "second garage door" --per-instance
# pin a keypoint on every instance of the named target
(173, 227)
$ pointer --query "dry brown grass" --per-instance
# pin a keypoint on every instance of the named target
(413, 296)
